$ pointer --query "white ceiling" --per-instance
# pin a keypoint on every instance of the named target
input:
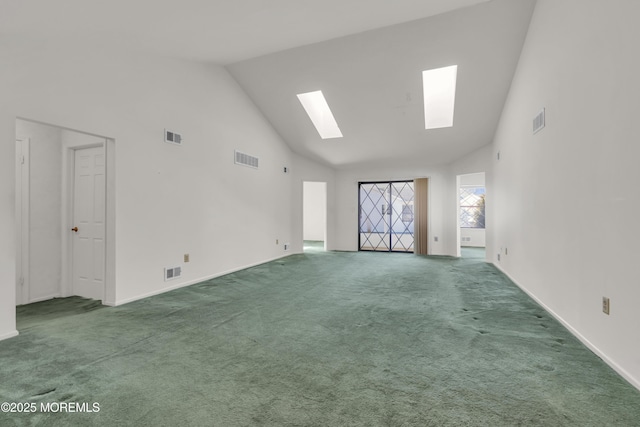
(373, 83)
(367, 57)
(221, 31)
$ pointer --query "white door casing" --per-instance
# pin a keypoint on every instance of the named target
(22, 221)
(88, 242)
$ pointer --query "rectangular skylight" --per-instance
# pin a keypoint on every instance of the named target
(439, 96)
(318, 110)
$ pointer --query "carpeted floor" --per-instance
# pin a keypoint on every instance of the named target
(318, 339)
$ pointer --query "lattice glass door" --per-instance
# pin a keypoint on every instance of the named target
(386, 216)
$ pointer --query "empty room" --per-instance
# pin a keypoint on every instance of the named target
(286, 213)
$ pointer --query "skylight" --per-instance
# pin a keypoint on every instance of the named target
(439, 96)
(318, 110)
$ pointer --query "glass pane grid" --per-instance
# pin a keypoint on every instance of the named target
(386, 216)
(472, 207)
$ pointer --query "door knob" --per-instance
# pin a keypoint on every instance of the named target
(75, 229)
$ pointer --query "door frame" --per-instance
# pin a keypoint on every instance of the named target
(458, 209)
(326, 210)
(390, 182)
(68, 170)
(68, 197)
(22, 238)
(22, 215)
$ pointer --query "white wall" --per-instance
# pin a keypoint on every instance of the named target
(45, 202)
(170, 200)
(314, 210)
(564, 198)
(442, 205)
(473, 179)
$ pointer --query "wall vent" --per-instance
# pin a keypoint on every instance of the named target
(171, 273)
(245, 160)
(538, 122)
(172, 137)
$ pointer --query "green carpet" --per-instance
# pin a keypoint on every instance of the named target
(319, 339)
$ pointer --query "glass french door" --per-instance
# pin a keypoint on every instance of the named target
(386, 216)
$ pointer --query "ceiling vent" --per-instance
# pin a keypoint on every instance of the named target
(172, 137)
(538, 122)
(245, 160)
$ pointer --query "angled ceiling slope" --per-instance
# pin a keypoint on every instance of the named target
(373, 84)
(218, 31)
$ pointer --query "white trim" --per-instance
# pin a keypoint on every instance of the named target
(68, 168)
(9, 335)
(612, 363)
(110, 224)
(458, 253)
(194, 281)
(45, 298)
(22, 215)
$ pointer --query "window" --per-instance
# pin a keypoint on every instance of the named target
(439, 86)
(472, 207)
(316, 106)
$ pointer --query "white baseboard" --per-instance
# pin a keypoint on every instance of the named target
(9, 335)
(48, 297)
(194, 281)
(601, 354)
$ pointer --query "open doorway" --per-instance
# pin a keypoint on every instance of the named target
(471, 194)
(65, 216)
(314, 216)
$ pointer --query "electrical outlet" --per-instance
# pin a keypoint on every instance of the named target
(435, 239)
(605, 305)
(276, 241)
(186, 257)
(286, 246)
(506, 251)
(498, 257)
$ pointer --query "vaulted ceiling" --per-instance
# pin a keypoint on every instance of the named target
(367, 56)
(373, 83)
(220, 31)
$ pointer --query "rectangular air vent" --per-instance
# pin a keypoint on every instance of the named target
(171, 273)
(245, 160)
(172, 137)
(538, 122)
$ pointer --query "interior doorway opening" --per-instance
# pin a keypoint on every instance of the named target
(64, 177)
(471, 215)
(314, 216)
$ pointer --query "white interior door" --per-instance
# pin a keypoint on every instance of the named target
(89, 223)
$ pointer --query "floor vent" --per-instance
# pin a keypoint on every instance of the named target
(538, 122)
(172, 273)
(172, 137)
(246, 160)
